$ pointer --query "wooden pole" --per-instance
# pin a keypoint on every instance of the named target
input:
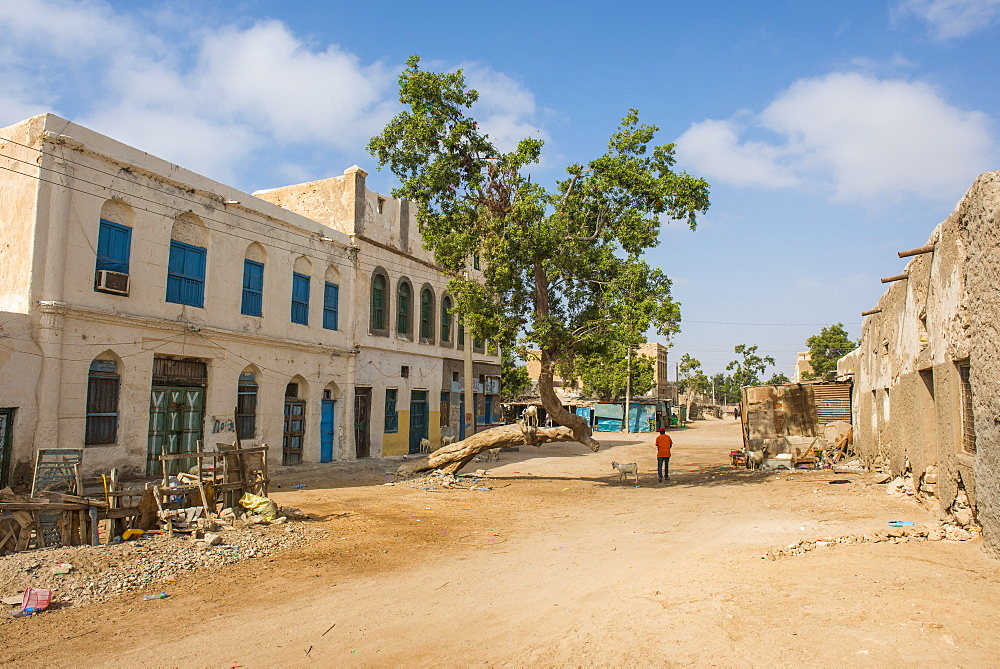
(898, 277)
(915, 252)
(872, 311)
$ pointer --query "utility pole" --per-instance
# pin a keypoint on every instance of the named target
(713, 391)
(628, 387)
(470, 408)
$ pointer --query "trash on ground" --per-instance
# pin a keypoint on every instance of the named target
(162, 595)
(901, 523)
(262, 506)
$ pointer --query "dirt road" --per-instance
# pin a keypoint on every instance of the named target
(559, 564)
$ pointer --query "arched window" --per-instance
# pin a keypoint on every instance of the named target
(426, 314)
(103, 385)
(446, 319)
(403, 308)
(378, 302)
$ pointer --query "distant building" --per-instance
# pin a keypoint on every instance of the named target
(662, 388)
(803, 366)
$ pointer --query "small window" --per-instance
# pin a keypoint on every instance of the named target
(446, 319)
(475, 261)
(331, 298)
(114, 246)
(378, 302)
(426, 314)
(403, 309)
(300, 298)
(461, 333)
(404, 371)
(186, 274)
(381, 205)
(253, 288)
(391, 414)
(103, 387)
(454, 377)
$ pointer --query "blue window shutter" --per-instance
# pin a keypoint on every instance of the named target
(186, 274)
(114, 243)
(331, 296)
(300, 298)
(253, 288)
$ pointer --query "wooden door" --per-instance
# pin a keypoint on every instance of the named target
(362, 419)
(294, 432)
(176, 417)
(418, 419)
(326, 430)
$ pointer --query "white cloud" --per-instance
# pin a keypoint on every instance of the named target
(948, 19)
(215, 100)
(855, 137)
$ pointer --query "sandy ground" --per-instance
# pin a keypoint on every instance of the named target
(559, 564)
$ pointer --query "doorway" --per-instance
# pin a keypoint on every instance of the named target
(294, 426)
(326, 430)
(418, 419)
(362, 418)
(6, 439)
(175, 425)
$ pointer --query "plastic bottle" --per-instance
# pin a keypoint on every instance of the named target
(30, 610)
(162, 595)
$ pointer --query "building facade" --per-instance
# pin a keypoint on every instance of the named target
(145, 308)
(926, 374)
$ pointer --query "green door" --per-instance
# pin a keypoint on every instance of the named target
(176, 416)
(6, 438)
(418, 419)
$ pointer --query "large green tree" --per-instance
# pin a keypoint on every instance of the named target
(825, 349)
(562, 266)
(514, 378)
(747, 370)
(604, 374)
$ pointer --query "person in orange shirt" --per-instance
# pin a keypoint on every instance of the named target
(663, 444)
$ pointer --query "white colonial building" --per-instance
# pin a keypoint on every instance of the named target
(144, 307)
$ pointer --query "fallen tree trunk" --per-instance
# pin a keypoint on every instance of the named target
(452, 458)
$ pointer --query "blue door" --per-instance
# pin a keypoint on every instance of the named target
(326, 431)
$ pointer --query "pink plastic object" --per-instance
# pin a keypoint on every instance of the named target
(36, 598)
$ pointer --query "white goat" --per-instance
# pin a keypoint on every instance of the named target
(493, 454)
(755, 459)
(425, 445)
(530, 416)
(625, 469)
(447, 440)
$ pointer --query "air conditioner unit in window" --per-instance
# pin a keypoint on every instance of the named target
(111, 282)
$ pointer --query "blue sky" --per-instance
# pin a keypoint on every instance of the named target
(833, 133)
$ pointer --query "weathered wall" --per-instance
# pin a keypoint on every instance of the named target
(19, 158)
(981, 218)
(908, 391)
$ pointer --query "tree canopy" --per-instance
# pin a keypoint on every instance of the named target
(561, 266)
(825, 349)
(747, 371)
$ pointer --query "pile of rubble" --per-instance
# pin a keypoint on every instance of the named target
(439, 479)
(948, 531)
(84, 574)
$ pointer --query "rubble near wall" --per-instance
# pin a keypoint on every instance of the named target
(981, 219)
(908, 389)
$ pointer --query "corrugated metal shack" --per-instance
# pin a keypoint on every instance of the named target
(774, 414)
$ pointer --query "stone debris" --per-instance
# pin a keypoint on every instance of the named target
(80, 575)
(438, 479)
(947, 530)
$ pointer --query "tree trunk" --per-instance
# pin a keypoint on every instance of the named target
(452, 458)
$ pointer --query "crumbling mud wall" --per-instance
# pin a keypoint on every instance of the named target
(927, 370)
(981, 219)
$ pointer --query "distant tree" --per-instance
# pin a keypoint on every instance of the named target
(825, 349)
(726, 390)
(777, 379)
(604, 373)
(693, 379)
(746, 372)
(562, 268)
(514, 379)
